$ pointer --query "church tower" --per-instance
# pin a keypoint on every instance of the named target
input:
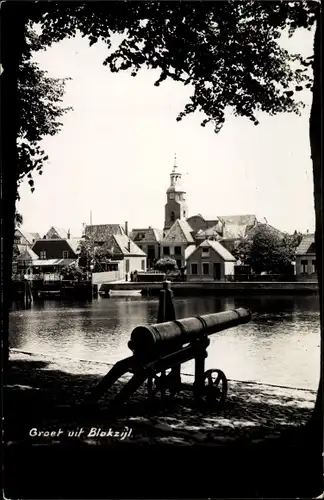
(176, 207)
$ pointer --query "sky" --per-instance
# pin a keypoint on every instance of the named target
(113, 157)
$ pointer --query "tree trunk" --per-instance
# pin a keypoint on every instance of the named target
(12, 40)
(315, 132)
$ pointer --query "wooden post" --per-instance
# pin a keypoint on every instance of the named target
(167, 312)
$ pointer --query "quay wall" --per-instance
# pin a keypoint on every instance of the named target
(216, 288)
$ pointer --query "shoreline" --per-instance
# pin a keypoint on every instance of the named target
(252, 411)
(191, 288)
(259, 431)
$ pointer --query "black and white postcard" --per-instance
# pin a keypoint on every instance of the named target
(162, 249)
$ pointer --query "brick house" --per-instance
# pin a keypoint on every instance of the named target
(178, 242)
(148, 240)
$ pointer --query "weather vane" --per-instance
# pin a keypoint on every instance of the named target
(175, 160)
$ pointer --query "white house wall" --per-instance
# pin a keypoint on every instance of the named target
(229, 268)
(98, 278)
(135, 264)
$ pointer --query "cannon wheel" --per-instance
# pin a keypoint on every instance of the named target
(215, 387)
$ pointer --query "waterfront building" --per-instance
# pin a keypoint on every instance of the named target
(25, 261)
(210, 261)
(148, 240)
(52, 256)
(125, 252)
(23, 239)
(229, 229)
(305, 267)
(178, 242)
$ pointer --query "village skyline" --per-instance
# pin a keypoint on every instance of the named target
(114, 154)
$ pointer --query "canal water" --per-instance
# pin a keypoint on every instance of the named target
(280, 346)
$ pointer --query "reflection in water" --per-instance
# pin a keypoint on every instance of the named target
(280, 345)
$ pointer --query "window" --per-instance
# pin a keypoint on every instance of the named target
(42, 254)
(205, 252)
(151, 252)
(177, 250)
(127, 266)
(205, 268)
(172, 217)
(304, 266)
(194, 268)
(184, 214)
(143, 265)
(166, 250)
(65, 254)
(314, 266)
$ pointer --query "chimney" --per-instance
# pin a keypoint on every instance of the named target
(126, 228)
(68, 234)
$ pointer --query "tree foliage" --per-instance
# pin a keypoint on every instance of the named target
(18, 219)
(92, 255)
(166, 265)
(72, 272)
(228, 52)
(268, 251)
(40, 99)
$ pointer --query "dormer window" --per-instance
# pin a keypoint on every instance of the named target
(42, 255)
(65, 254)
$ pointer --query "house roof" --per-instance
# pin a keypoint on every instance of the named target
(103, 232)
(62, 233)
(231, 226)
(74, 243)
(180, 232)
(307, 245)
(30, 237)
(213, 223)
(237, 226)
(27, 254)
(54, 247)
(240, 220)
(210, 232)
(127, 246)
(218, 248)
(36, 236)
(148, 235)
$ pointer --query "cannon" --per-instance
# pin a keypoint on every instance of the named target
(166, 346)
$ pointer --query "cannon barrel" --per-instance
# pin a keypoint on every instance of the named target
(164, 337)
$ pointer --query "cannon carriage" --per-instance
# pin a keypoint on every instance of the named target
(159, 350)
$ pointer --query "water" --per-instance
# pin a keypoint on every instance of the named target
(280, 346)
